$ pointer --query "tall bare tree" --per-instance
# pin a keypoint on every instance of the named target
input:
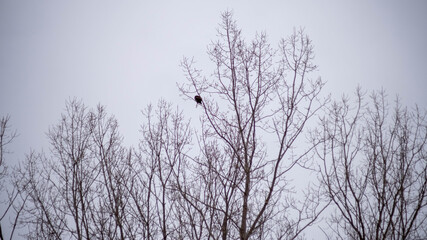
(256, 104)
(375, 168)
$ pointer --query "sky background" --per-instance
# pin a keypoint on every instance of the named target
(126, 54)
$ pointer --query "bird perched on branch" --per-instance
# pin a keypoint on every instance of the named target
(198, 99)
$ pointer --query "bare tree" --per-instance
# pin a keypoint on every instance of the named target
(375, 169)
(61, 185)
(78, 190)
(13, 202)
(164, 143)
(112, 195)
(255, 107)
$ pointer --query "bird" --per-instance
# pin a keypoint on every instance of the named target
(198, 99)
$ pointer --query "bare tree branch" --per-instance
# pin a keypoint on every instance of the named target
(374, 168)
(250, 98)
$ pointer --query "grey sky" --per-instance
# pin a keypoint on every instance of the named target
(126, 54)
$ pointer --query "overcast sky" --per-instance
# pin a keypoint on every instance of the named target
(126, 54)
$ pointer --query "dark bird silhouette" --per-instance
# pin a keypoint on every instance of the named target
(198, 99)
